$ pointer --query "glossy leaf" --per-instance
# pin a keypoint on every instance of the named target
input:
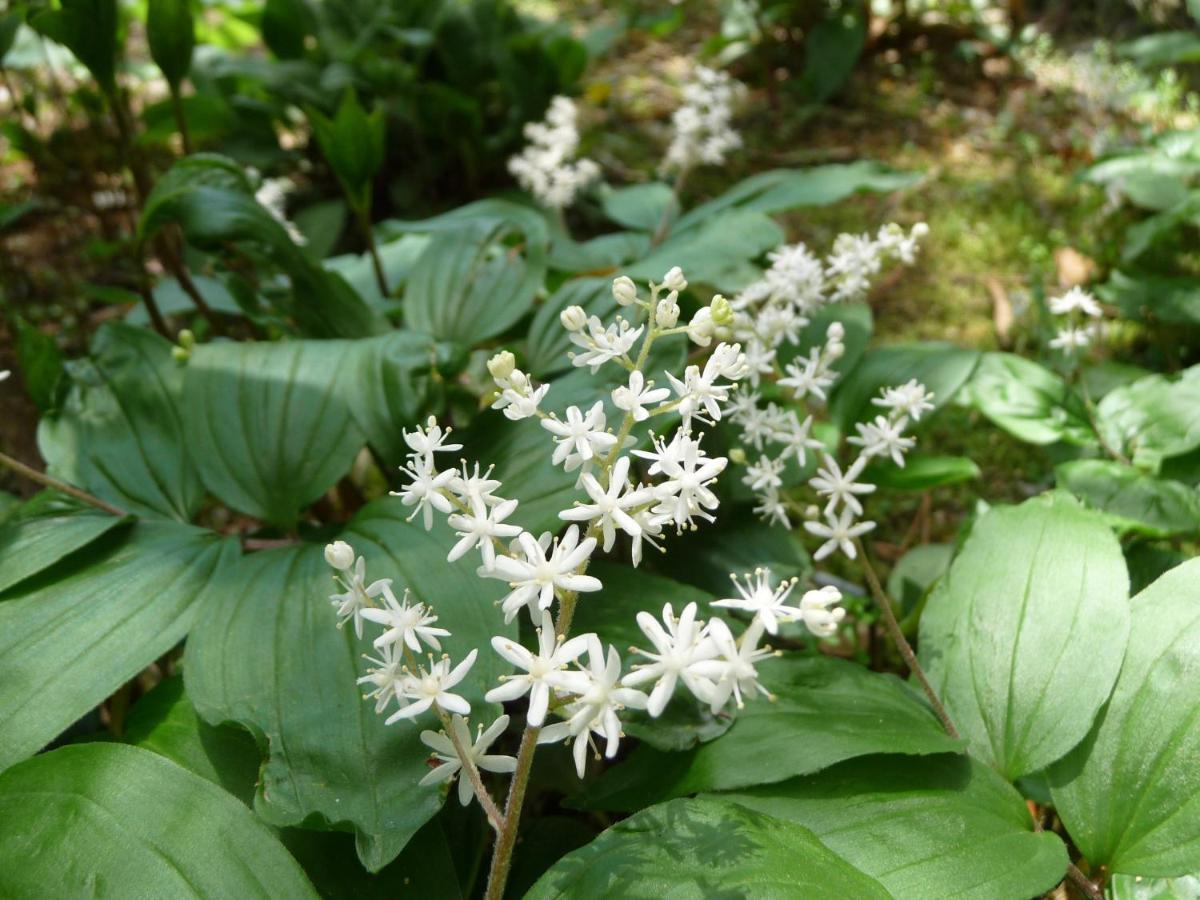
(67, 642)
(119, 434)
(942, 368)
(268, 655)
(717, 252)
(171, 33)
(1135, 500)
(1154, 418)
(89, 29)
(935, 827)
(41, 366)
(1130, 793)
(267, 424)
(702, 848)
(286, 25)
(106, 818)
(1023, 637)
(35, 540)
(1028, 401)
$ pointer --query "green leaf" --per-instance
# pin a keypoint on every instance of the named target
(1154, 418)
(1166, 48)
(353, 143)
(1129, 794)
(171, 32)
(10, 24)
(942, 368)
(831, 50)
(1134, 500)
(268, 425)
(780, 190)
(856, 320)
(717, 252)
(916, 572)
(704, 848)
(1154, 298)
(1131, 887)
(549, 342)
(1028, 401)
(41, 366)
(119, 433)
(929, 828)
(106, 818)
(268, 655)
(1023, 637)
(642, 207)
(35, 540)
(66, 644)
(470, 285)
(89, 29)
(921, 473)
(827, 710)
(286, 26)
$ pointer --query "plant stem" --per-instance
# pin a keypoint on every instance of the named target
(472, 773)
(62, 487)
(901, 642)
(364, 225)
(181, 120)
(506, 840)
(1086, 886)
(1095, 423)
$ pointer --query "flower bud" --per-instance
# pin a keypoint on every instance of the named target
(667, 314)
(340, 555)
(812, 512)
(700, 330)
(722, 311)
(674, 280)
(835, 350)
(835, 332)
(624, 290)
(180, 354)
(920, 230)
(573, 318)
(737, 456)
(187, 340)
(502, 365)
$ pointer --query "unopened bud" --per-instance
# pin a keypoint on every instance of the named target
(187, 340)
(624, 290)
(700, 329)
(340, 555)
(181, 354)
(835, 349)
(737, 456)
(811, 511)
(920, 230)
(722, 311)
(502, 365)
(573, 318)
(674, 280)
(667, 314)
(835, 332)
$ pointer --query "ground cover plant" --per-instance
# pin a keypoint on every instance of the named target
(493, 451)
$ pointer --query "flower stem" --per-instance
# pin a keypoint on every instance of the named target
(1086, 886)
(472, 772)
(61, 486)
(506, 840)
(901, 642)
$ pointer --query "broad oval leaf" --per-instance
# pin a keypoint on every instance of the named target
(921, 473)
(267, 424)
(704, 848)
(642, 207)
(120, 431)
(1133, 499)
(91, 30)
(42, 535)
(548, 341)
(1155, 417)
(171, 33)
(267, 654)
(108, 819)
(1023, 637)
(1028, 401)
(67, 642)
(935, 827)
(1130, 793)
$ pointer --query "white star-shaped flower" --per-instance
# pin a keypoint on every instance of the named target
(535, 577)
(357, 597)
(444, 750)
(763, 601)
(543, 670)
(637, 395)
(481, 528)
(678, 645)
(405, 623)
(610, 506)
(432, 685)
(581, 437)
(839, 532)
(841, 487)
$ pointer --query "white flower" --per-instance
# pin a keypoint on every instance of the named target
(624, 291)
(841, 488)
(884, 437)
(424, 442)
(815, 609)
(701, 328)
(639, 394)
(518, 397)
(543, 670)
(357, 596)
(480, 528)
(406, 623)
(386, 677)
(651, 527)
(810, 376)
(1076, 299)
(772, 508)
(502, 365)
(602, 344)
(688, 473)
(1071, 339)
(581, 437)
(610, 506)
(600, 697)
(472, 486)
(839, 532)
(4, 374)
(854, 261)
(573, 318)
(908, 399)
(764, 475)
(535, 577)
(699, 390)
(765, 602)
(425, 489)
(431, 686)
(681, 644)
(547, 167)
(732, 672)
(666, 314)
(674, 280)
(272, 196)
(340, 555)
(703, 124)
(444, 750)
(788, 430)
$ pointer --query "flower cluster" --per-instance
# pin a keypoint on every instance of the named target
(1080, 314)
(574, 687)
(272, 194)
(703, 130)
(547, 167)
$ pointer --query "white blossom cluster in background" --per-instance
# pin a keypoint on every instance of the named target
(1079, 315)
(272, 194)
(703, 126)
(547, 167)
(576, 688)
